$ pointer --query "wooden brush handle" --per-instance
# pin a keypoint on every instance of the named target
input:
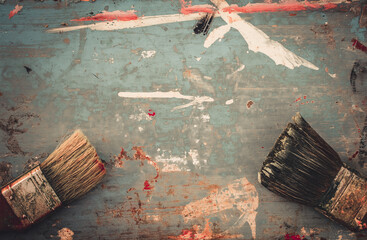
(346, 200)
(8, 220)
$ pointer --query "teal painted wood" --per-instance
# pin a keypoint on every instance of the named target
(205, 152)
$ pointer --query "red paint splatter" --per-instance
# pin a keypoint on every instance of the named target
(110, 16)
(151, 113)
(354, 155)
(357, 44)
(293, 237)
(249, 104)
(138, 155)
(187, 8)
(15, 11)
(147, 185)
(278, 7)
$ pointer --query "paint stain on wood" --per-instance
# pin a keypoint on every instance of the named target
(358, 45)
(249, 104)
(5, 172)
(11, 128)
(325, 31)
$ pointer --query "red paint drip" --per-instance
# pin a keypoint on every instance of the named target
(357, 44)
(110, 16)
(354, 155)
(16, 9)
(293, 237)
(151, 113)
(278, 7)
(147, 186)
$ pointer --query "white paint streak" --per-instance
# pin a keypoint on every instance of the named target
(194, 100)
(258, 41)
(217, 33)
(148, 54)
(140, 22)
(230, 101)
(240, 194)
(236, 71)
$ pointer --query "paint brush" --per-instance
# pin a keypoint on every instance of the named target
(302, 167)
(68, 173)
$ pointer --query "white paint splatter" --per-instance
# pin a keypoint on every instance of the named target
(194, 154)
(198, 59)
(240, 194)
(217, 33)
(236, 71)
(194, 100)
(148, 54)
(258, 41)
(140, 116)
(205, 117)
(332, 75)
(140, 22)
(230, 101)
(140, 129)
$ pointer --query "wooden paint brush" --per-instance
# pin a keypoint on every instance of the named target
(302, 167)
(70, 171)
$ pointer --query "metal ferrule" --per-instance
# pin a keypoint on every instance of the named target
(31, 197)
(346, 200)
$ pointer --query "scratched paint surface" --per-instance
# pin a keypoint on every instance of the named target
(182, 120)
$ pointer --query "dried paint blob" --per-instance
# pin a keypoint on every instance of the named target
(16, 9)
(65, 234)
(249, 104)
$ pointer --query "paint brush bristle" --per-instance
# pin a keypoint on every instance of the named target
(73, 168)
(301, 166)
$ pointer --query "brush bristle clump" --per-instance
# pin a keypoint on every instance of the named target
(301, 165)
(73, 168)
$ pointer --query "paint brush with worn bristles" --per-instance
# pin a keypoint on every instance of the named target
(302, 167)
(68, 173)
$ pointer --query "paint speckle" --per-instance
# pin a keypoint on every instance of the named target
(28, 69)
(16, 9)
(151, 113)
(249, 104)
(65, 234)
(148, 54)
(66, 40)
(229, 102)
(293, 237)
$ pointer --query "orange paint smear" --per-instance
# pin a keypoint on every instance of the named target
(110, 16)
(197, 8)
(15, 11)
(278, 7)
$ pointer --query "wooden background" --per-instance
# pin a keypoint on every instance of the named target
(207, 153)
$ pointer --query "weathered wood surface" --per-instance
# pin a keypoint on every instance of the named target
(208, 154)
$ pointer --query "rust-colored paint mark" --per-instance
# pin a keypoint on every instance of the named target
(25, 52)
(151, 113)
(66, 40)
(138, 155)
(65, 234)
(301, 101)
(110, 16)
(249, 103)
(15, 11)
(279, 7)
(357, 44)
